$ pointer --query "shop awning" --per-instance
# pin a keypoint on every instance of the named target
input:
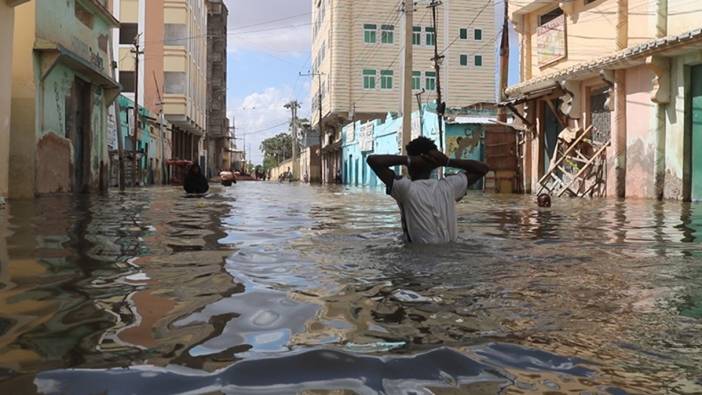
(634, 56)
(53, 54)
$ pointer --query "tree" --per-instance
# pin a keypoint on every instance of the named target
(276, 149)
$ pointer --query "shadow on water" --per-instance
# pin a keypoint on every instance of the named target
(281, 288)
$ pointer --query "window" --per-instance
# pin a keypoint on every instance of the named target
(175, 83)
(83, 15)
(549, 16)
(127, 33)
(431, 36)
(464, 34)
(430, 80)
(416, 80)
(127, 80)
(417, 35)
(478, 60)
(386, 79)
(478, 34)
(175, 34)
(464, 60)
(369, 79)
(388, 34)
(369, 34)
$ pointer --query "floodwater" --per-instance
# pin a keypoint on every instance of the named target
(268, 288)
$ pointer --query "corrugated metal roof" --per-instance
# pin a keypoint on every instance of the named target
(620, 58)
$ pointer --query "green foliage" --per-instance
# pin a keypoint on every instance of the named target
(276, 149)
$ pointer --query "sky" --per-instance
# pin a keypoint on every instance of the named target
(269, 46)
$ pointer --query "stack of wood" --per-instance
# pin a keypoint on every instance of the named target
(577, 167)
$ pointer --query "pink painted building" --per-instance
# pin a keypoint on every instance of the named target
(631, 70)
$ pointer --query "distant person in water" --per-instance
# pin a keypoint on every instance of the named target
(195, 181)
(544, 200)
(428, 205)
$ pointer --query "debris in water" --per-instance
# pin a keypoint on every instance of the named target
(403, 295)
(374, 347)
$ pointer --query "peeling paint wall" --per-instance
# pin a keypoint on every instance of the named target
(641, 134)
(23, 115)
(6, 32)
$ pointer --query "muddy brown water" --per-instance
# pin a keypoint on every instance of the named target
(278, 288)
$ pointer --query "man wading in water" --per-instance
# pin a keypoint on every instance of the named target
(428, 205)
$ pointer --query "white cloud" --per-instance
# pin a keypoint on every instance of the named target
(258, 111)
(273, 26)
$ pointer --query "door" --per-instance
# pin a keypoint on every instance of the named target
(696, 160)
(80, 134)
(551, 130)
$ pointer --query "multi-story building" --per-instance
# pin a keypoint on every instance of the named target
(217, 122)
(357, 52)
(62, 87)
(631, 69)
(172, 75)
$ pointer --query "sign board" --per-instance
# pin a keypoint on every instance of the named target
(351, 133)
(365, 137)
(111, 129)
(551, 39)
(416, 126)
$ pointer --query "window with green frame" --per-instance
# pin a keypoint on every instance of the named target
(387, 35)
(464, 60)
(478, 34)
(416, 80)
(416, 35)
(463, 34)
(431, 35)
(369, 33)
(478, 60)
(386, 79)
(369, 78)
(430, 80)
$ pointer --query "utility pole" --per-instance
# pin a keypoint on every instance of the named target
(440, 105)
(504, 63)
(135, 138)
(319, 123)
(407, 81)
(118, 122)
(161, 121)
(293, 106)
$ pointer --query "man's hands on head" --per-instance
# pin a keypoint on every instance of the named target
(432, 159)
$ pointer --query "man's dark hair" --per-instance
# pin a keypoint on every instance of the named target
(420, 145)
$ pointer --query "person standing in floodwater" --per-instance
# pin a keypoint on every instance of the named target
(195, 182)
(428, 206)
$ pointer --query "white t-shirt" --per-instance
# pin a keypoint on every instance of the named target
(429, 207)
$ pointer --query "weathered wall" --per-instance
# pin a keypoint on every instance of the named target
(280, 169)
(23, 122)
(641, 134)
(678, 127)
(6, 32)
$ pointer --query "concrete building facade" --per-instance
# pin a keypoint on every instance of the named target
(636, 77)
(172, 76)
(357, 52)
(218, 138)
(61, 90)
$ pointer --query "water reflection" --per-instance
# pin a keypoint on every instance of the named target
(313, 290)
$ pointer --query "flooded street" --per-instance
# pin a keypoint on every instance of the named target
(274, 288)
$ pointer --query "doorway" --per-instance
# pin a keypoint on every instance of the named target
(696, 133)
(551, 129)
(80, 133)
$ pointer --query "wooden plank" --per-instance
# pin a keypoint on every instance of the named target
(568, 151)
(587, 166)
